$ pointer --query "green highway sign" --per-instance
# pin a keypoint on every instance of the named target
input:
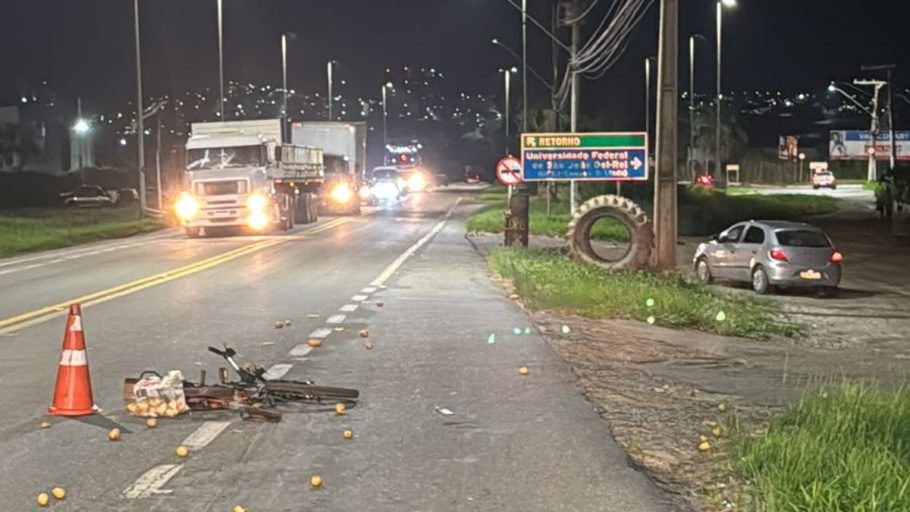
(584, 156)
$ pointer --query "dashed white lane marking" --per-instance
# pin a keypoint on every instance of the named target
(301, 350)
(205, 434)
(368, 289)
(151, 482)
(321, 333)
(277, 371)
(391, 269)
(359, 298)
(348, 308)
(335, 319)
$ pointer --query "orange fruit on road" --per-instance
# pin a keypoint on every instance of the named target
(364, 333)
(58, 493)
(316, 481)
(523, 370)
(703, 447)
(369, 346)
(348, 434)
(43, 499)
(238, 508)
(315, 343)
(182, 451)
(114, 434)
(151, 422)
(45, 424)
(340, 409)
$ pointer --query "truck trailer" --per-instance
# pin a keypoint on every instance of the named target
(344, 151)
(241, 176)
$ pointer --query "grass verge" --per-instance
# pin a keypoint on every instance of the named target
(38, 229)
(550, 281)
(839, 449)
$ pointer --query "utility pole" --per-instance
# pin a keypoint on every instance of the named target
(888, 69)
(719, 98)
(872, 174)
(576, 42)
(220, 63)
(665, 210)
(524, 65)
(328, 70)
(284, 86)
(140, 129)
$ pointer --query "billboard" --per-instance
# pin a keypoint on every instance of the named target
(788, 147)
(856, 145)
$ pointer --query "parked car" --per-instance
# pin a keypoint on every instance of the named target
(823, 179)
(128, 195)
(770, 254)
(90, 196)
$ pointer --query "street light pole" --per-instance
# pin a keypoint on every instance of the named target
(508, 74)
(284, 85)
(524, 64)
(573, 119)
(331, 99)
(690, 162)
(872, 174)
(220, 63)
(721, 175)
(140, 129)
(648, 96)
(665, 200)
(893, 145)
(385, 114)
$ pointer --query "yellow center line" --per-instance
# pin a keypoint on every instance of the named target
(46, 313)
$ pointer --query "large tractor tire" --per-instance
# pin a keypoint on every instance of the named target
(578, 238)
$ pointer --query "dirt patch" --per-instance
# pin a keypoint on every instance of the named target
(661, 390)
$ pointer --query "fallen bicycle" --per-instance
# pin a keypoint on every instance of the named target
(254, 395)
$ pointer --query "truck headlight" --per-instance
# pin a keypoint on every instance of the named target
(257, 221)
(186, 207)
(257, 202)
(341, 193)
(417, 182)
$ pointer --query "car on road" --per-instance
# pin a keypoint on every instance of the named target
(769, 254)
(824, 179)
(90, 196)
(386, 185)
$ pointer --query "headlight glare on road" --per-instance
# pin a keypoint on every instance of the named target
(417, 182)
(257, 202)
(257, 221)
(186, 206)
(365, 192)
(341, 193)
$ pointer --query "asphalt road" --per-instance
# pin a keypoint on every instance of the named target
(157, 302)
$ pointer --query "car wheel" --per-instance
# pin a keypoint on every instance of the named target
(703, 271)
(760, 283)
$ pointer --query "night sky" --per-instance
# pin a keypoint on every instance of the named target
(85, 47)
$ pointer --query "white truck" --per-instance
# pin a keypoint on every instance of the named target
(344, 148)
(240, 175)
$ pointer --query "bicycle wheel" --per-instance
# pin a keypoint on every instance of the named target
(291, 390)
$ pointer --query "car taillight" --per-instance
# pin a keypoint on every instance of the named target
(778, 254)
(837, 257)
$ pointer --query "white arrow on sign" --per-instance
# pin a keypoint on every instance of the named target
(636, 163)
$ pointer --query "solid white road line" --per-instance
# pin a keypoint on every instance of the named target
(335, 319)
(368, 289)
(320, 333)
(205, 434)
(348, 308)
(391, 269)
(300, 350)
(359, 298)
(277, 371)
(151, 482)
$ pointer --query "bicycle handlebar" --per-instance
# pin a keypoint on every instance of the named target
(217, 351)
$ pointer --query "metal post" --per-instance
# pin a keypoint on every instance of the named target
(508, 74)
(140, 129)
(524, 64)
(690, 156)
(665, 213)
(284, 85)
(648, 96)
(158, 162)
(576, 42)
(385, 136)
(721, 179)
(893, 147)
(331, 99)
(220, 63)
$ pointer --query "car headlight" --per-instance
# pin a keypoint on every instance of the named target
(365, 192)
(257, 202)
(341, 193)
(186, 206)
(417, 182)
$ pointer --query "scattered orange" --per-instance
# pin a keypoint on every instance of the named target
(43, 499)
(316, 481)
(58, 493)
(523, 370)
(364, 333)
(340, 409)
(182, 451)
(114, 434)
(348, 434)
(151, 422)
(315, 343)
(369, 346)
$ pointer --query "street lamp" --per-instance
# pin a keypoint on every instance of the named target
(691, 153)
(385, 113)
(81, 127)
(329, 69)
(508, 84)
(531, 70)
(720, 10)
(284, 84)
(140, 137)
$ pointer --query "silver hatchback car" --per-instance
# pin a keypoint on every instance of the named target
(769, 254)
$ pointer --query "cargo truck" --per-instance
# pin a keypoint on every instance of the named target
(344, 150)
(241, 176)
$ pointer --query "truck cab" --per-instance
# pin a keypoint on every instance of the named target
(240, 176)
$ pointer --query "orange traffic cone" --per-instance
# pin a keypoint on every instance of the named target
(73, 394)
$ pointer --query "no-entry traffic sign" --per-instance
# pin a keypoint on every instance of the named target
(584, 156)
(508, 171)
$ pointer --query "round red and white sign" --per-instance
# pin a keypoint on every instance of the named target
(508, 171)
